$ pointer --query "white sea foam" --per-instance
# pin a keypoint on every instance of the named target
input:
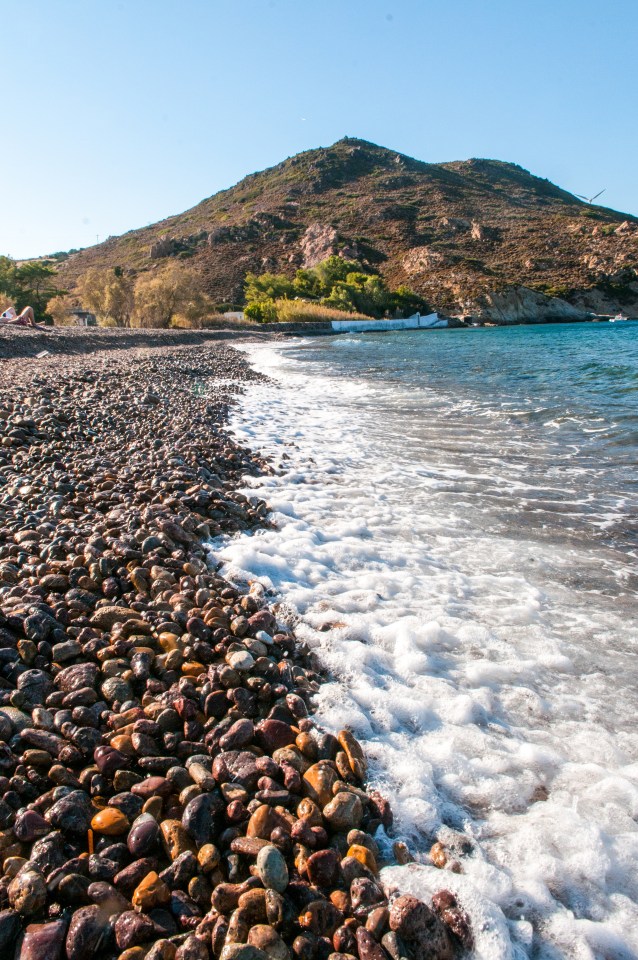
(484, 659)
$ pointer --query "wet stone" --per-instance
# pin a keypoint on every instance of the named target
(415, 923)
(110, 821)
(88, 934)
(144, 835)
(27, 892)
(43, 941)
(364, 855)
(368, 947)
(445, 904)
(132, 929)
(150, 892)
(322, 867)
(318, 781)
(344, 812)
(71, 813)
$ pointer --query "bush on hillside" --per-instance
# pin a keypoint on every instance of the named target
(334, 283)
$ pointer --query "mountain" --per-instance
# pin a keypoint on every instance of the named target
(477, 237)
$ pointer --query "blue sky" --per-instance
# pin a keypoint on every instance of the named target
(116, 113)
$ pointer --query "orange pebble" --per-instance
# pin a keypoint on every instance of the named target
(364, 856)
(340, 900)
(193, 669)
(110, 821)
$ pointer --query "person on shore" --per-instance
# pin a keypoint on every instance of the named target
(24, 319)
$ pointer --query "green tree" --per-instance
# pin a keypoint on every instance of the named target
(267, 286)
(340, 298)
(263, 311)
(333, 270)
(28, 284)
(307, 284)
(405, 302)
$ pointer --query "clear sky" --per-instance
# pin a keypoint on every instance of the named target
(116, 113)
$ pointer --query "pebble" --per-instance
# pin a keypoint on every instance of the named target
(43, 941)
(88, 932)
(364, 856)
(272, 868)
(265, 938)
(319, 780)
(420, 927)
(240, 660)
(27, 892)
(344, 812)
(110, 821)
(150, 892)
(144, 835)
(132, 929)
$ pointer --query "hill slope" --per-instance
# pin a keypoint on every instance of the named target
(466, 235)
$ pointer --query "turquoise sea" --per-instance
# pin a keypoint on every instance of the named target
(456, 534)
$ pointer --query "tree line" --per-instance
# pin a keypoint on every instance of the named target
(174, 295)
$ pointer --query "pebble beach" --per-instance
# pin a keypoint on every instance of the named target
(165, 791)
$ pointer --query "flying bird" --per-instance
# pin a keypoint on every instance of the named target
(590, 199)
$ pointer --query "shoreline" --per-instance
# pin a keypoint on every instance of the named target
(23, 342)
(166, 794)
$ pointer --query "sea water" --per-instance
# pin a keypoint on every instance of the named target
(456, 535)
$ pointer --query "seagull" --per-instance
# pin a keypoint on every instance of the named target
(590, 199)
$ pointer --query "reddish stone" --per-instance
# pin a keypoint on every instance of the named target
(274, 734)
(369, 949)
(322, 867)
(152, 787)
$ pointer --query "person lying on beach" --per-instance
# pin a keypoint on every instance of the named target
(24, 319)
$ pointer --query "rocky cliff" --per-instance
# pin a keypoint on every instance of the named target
(477, 237)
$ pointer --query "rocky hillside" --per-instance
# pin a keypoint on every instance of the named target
(477, 237)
